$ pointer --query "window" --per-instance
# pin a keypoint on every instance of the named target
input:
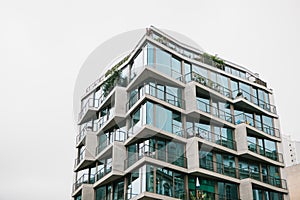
(119, 190)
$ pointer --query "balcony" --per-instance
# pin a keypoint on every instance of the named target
(157, 93)
(84, 129)
(103, 171)
(88, 110)
(84, 179)
(202, 57)
(243, 118)
(219, 168)
(117, 135)
(208, 83)
(254, 100)
(271, 180)
(207, 108)
(265, 152)
(211, 137)
(158, 154)
(84, 159)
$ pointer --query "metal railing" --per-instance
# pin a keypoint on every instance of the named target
(243, 118)
(117, 135)
(205, 107)
(84, 179)
(201, 57)
(90, 104)
(255, 100)
(157, 93)
(211, 137)
(158, 154)
(218, 167)
(265, 178)
(204, 195)
(107, 168)
(265, 152)
(80, 157)
(83, 131)
(193, 76)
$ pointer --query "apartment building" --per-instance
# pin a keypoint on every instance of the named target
(170, 121)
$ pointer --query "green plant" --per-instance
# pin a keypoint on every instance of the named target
(219, 63)
(115, 76)
(111, 81)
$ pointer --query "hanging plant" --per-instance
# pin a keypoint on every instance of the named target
(111, 82)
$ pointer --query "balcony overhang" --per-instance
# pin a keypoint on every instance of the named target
(149, 72)
(148, 131)
(212, 175)
(198, 114)
(256, 157)
(91, 113)
(108, 178)
(247, 106)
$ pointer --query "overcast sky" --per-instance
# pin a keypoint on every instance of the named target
(44, 44)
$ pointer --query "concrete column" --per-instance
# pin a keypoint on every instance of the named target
(190, 94)
(246, 190)
(91, 144)
(192, 153)
(241, 138)
(120, 104)
(87, 192)
(118, 156)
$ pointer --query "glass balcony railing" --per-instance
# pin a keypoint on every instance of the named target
(243, 118)
(208, 83)
(218, 167)
(265, 152)
(107, 168)
(158, 154)
(84, 179)
(80, 157)
(118, 135)
(255, 100)
(256, 175)
(211, 137)
(205, 107)
(204, 58)
(90, 104)
(157, 93)
(86, 127)
(204, 195)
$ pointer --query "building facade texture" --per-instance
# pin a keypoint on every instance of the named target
(291, 151)
(172, 122)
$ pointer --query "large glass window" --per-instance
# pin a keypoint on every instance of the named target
(164, 182)
(163, 60)
(163, 118)
(200, 71)
(150, 55)
(118, 190)
(246, 90)
(150, 178)
(227, 190)
(134, 184)
(234, 88)
(268, 125)
(103, 193)
(206, 160)
(187, 72)
(176, 68)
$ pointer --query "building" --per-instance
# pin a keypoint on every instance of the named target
(172, 122)
(292, 176)
(291, 151)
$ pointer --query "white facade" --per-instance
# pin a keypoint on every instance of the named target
(291, 150)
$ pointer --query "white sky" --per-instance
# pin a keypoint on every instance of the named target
(43, 45)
